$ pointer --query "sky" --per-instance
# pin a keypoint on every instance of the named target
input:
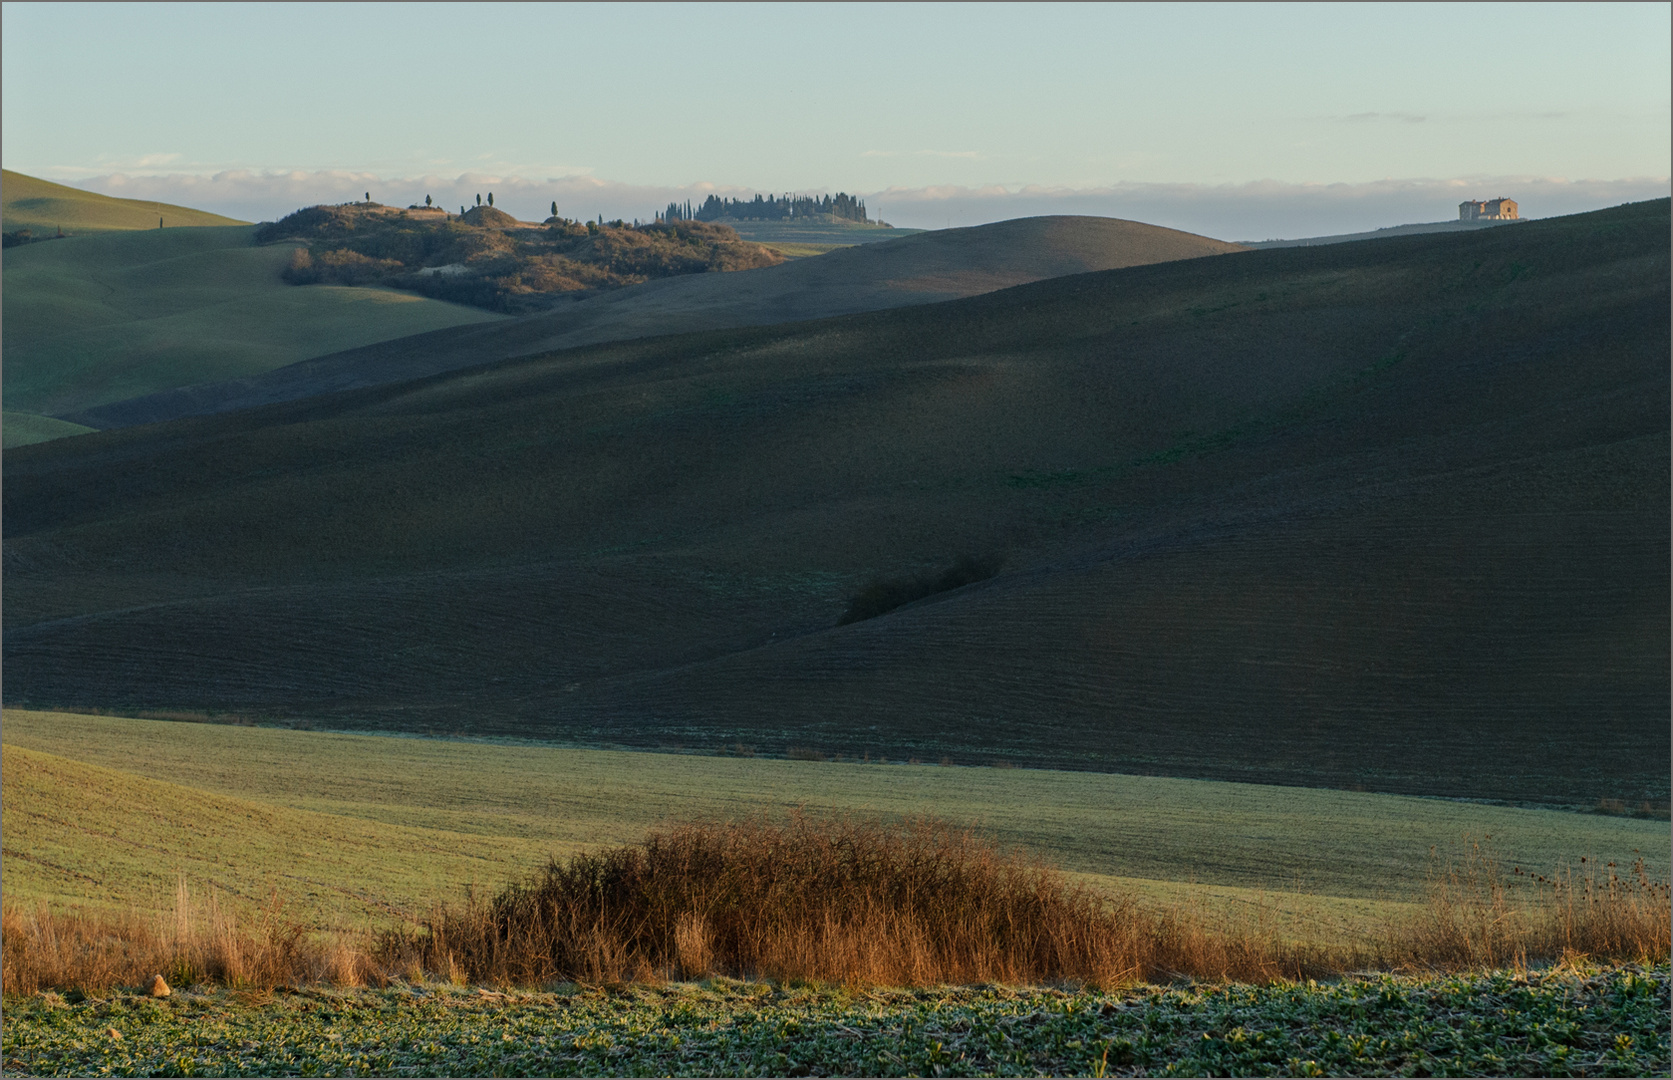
(1242, 121)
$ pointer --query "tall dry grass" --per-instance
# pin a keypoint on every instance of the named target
(1475, 917)
(197, 942)
(859, 902)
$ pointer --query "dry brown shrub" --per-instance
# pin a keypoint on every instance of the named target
(860, 902)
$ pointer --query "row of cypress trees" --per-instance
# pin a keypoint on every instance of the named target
(841, 206)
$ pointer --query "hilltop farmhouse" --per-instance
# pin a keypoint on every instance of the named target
(1493, 210)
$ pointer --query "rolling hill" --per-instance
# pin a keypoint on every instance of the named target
(27, 202)
(918, 269)
(100, 318)
(1390, 514)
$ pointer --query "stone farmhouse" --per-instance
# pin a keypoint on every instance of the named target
(1493, 210)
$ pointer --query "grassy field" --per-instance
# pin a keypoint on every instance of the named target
(96, 319)
(803, 251)
(22, 429)
(772, 233)
(43, 207)
(805, 239)
(1574, 1021)
(110, 812)
(1390, 514)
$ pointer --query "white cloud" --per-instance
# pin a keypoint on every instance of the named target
(1402, 117)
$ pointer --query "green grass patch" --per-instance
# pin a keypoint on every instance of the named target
(802, 251)
(349, 825)
(21, 429)
(815, 233)
(1560, 1022)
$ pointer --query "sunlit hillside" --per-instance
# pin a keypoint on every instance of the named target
(43, 207)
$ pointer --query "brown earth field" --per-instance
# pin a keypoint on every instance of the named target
(1391, 515)
(919, 269)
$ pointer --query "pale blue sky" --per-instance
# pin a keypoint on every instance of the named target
(896, 101)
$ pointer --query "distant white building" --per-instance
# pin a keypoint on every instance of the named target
(1491, 210)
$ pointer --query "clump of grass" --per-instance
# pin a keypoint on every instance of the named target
(1474, 921)
(882, 595)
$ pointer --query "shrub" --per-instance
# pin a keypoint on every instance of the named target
(851, 901)
(882, 595)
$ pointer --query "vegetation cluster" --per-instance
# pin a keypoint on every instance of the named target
(840, 207)
(19, 237)
(1573, 1020)
(857, 902)
(486, 258)
(882, 595)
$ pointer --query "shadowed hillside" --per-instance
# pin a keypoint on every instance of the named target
(43, 208)
(95, 319)
(919, 269)
(1391, 514)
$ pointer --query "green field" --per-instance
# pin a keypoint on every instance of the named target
(835, 233)
(801, 240)
(27, 202)
(108, 812)
(803, 251)
(1570, 1022)
(97, 319)
(21, 429)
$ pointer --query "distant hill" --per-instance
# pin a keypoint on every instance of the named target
(917, 269)
(1388, 515)
(1384, 234)
(108, 316)
(43, 208)
(489, 217)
